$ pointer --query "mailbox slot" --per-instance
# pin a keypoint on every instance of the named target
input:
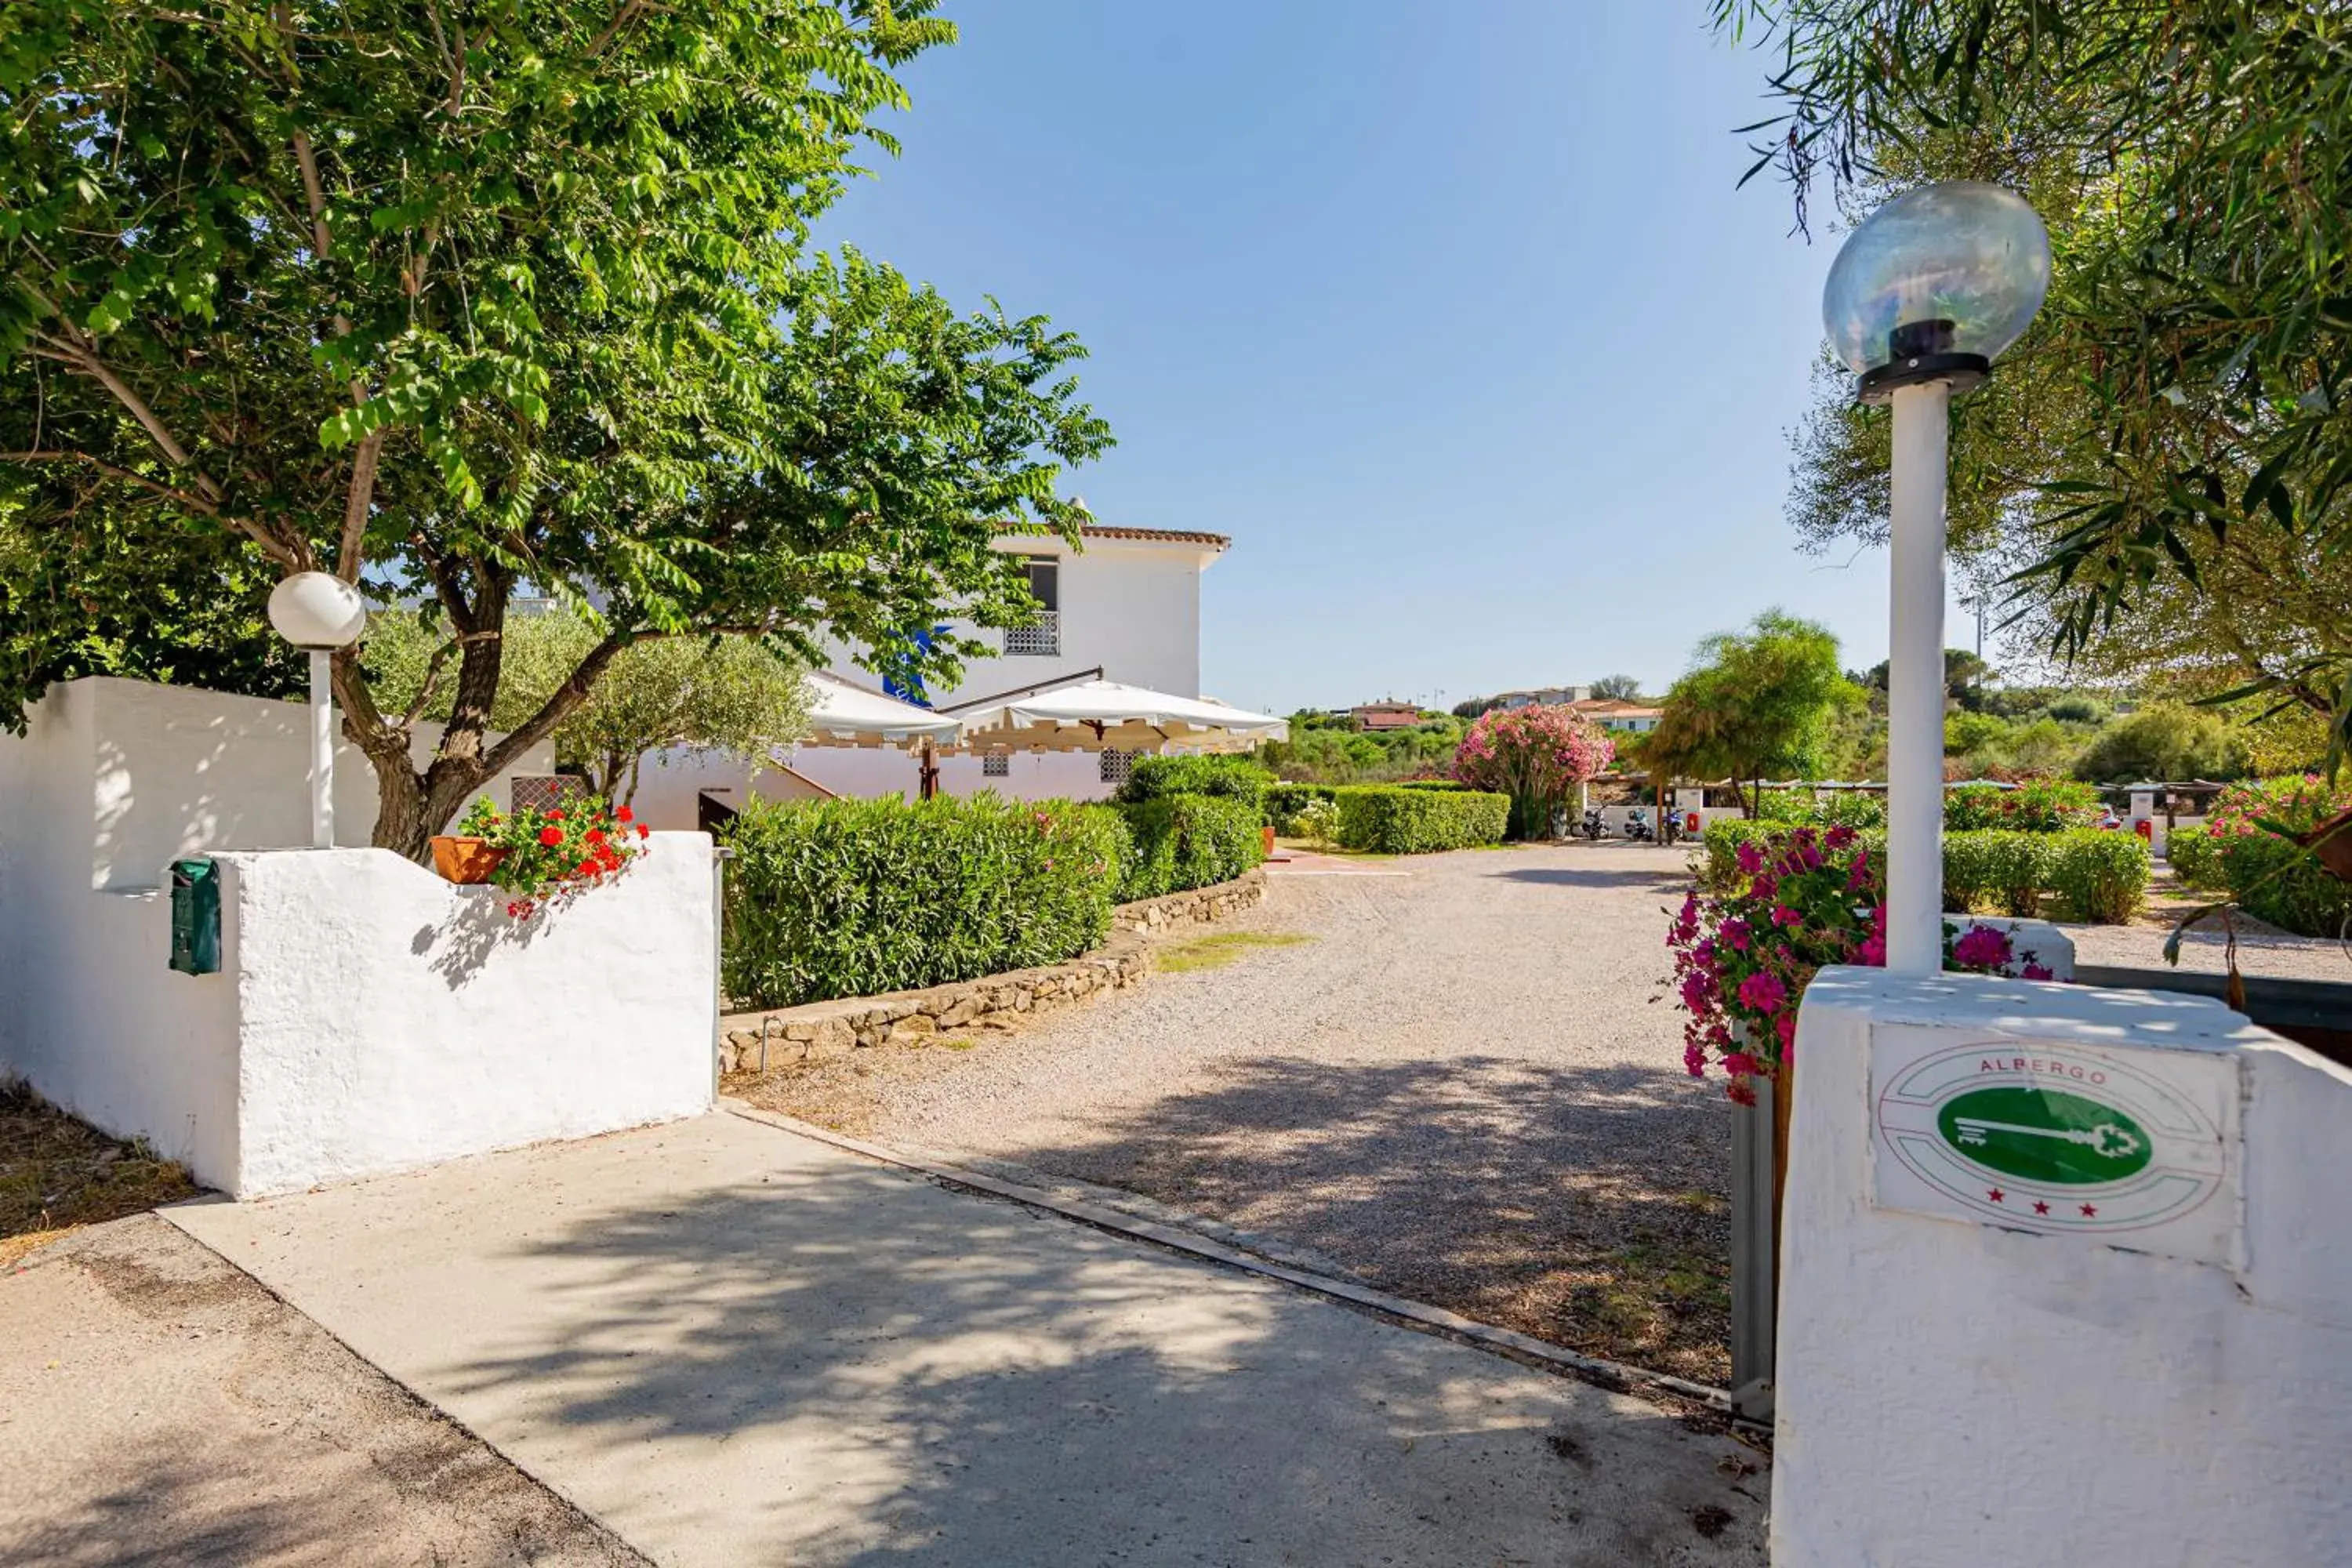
(195, 917)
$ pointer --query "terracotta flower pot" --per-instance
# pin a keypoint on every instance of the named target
(1268, 832)
(466, 860)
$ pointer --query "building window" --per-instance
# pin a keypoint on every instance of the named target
(1116, 766)
(995, 765)
(1042, 636)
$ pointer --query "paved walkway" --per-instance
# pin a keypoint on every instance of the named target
(731, 1345)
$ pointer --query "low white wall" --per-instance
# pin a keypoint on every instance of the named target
(387, 1019)
(1964, 1381)
(669, 783)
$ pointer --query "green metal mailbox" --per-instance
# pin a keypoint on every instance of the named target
(195, 917)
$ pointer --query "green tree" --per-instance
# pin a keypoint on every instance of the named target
(1755, 704)
(709, 694)
(1622, 687)
(2180, 411)
(455, 297)
(2164, 742)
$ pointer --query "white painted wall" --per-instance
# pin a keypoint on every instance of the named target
(666, 794)
(387, 1019)
(1954, 1393)
(113, 780)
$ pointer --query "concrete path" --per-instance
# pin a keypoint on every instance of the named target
(158, 1407)
(732, 1345)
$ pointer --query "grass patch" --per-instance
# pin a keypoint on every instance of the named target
(1216, 951)
(58, 1172)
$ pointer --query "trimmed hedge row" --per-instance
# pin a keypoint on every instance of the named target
(1283, 801)
(1176, 842)
(2271, 878)
(1390, 819)
(1235, 778)
(850, 898)
(2081, 874)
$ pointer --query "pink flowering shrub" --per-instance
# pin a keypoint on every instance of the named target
(2298, 805)
(1536, 755)
(1798, 899)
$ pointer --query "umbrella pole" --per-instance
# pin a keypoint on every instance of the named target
(930, 771)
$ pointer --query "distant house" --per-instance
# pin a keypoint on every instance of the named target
(1616, 713)
(1386, 715)
(1545, 697)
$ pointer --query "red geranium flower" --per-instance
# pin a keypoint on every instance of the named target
(623, 814)
(643, 831)
(550, 837)
(595, 835)
(554, 816)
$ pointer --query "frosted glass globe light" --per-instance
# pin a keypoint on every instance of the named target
(1955, 271)
(317, 610)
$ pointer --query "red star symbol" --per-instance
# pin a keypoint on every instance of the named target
(2090, 1211)
(1994, 1193)
(2041, 1208)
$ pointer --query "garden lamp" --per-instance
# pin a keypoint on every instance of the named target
(1921, 299)
(318, 613)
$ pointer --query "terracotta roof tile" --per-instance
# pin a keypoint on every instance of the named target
(1159, 535)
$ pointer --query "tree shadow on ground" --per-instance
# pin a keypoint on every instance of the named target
(1587, 1205)
(872, 1370)
(1664, 877)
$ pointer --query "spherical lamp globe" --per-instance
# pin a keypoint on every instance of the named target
(317, 610)
(1938, 281)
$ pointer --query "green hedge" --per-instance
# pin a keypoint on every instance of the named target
(1997, 871)
(1235, 778)
(1283, 799)
(1176, 842)
(1388, 820)
(2098, 875)
(1432, 783)
(849, 897)
(2196, 857)
(2285, 883)
(2082, 874)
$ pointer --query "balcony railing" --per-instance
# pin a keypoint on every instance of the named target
(1041, 636)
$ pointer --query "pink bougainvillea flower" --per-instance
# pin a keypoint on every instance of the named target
(1785, 1025)
(1734, 933)
(1741, 1091)
(1763, 991)
(1782, 915)
(2038, 972)
(1739, 1064)
(1694, 1060)
(1751, 859)
(1982, 947)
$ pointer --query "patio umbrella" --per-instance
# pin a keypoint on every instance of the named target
(1095, 714)
(839, 711)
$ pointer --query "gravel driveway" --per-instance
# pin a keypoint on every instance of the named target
(1458, 1088)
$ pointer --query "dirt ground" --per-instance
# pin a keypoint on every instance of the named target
(1450, 1080)
(158, 1407)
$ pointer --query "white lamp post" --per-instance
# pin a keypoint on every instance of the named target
(1920, 300)
(318, 611)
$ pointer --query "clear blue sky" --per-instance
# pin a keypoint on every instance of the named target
(1451, 316)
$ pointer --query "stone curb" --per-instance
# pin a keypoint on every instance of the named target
(817, 1030)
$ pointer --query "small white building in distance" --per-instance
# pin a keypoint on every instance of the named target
(1127, 605)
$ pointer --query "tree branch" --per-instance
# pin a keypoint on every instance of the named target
(357, 503)
(557, 705)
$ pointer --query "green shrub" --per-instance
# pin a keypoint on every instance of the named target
(1237, 778)
(849, 897)
(1432, 783)
(1995, 871)
(2280, 881)
(2096, 876)
(1283, 802)
(1319, 822)
(2037, 805)
(2196, 857)
(1183, 841)
(1801, 809)
(1389, 820)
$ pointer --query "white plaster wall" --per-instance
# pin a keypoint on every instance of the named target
(1952, 1394)
(1132, 607)
(389, 1019)
(113, 780)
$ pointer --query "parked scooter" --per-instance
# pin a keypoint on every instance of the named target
(1637, 826)
(1594, 827)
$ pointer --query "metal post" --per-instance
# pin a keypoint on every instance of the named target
(322, 748)
(1914, 680)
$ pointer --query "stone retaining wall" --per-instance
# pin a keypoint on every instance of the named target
(816, 1030)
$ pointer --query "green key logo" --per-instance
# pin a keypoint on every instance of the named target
(2042, 1137)
(2045, 1135)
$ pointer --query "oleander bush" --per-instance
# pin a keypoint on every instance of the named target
(2081, 874)
(850, 898)
(1235, 778)
(2035, 806)
(1388, 819)
(1176, 842)
(2278, 880)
